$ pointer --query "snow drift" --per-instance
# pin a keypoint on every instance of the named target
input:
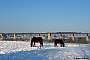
(20, 50)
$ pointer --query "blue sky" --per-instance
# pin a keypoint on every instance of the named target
(44, 15)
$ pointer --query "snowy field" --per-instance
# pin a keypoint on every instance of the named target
(20, 50)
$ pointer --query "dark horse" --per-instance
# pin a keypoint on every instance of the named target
(37, 39)
(60, 41)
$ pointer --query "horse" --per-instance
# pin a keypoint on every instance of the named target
(60, 41)
(37, 39)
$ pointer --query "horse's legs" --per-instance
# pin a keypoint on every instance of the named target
(41, 44)
(31, 43)
(62, 45)
(34, 44)
(55, 44)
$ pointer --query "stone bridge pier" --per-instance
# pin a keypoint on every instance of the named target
(15, 36)
(1, 36)
(49, 37)
(87, 39)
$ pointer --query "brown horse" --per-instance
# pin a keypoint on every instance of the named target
(37, 39)
(60, 41)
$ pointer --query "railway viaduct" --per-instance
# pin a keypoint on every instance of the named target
(49, 35)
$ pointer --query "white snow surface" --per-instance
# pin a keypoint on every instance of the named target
(21, 50)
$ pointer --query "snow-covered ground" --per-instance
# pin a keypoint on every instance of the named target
(21, 50)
